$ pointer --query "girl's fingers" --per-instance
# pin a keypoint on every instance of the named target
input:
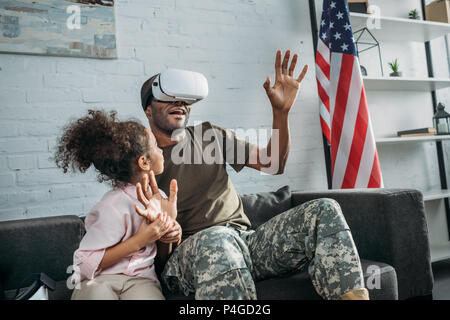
(172, 235)
(140, 212)
(142, 199)
(163, 221)
(173, 191)
(167, 222)
(153, 184)
(157, 221)
(146, 187)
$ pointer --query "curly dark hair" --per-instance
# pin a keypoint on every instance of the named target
(112, 146)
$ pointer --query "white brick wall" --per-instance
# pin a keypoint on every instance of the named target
(233, 42)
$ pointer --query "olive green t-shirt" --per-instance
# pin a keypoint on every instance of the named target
(206, 196)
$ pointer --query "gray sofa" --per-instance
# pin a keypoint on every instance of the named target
(388, 227)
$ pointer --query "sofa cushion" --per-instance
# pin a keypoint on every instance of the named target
(299, 286)
(263, 206)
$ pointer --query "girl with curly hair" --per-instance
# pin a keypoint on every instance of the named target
(115, 259)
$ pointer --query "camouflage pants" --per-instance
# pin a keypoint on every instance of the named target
(223, 262)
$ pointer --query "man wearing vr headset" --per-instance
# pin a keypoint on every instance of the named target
(220, 256)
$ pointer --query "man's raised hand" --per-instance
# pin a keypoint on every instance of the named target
(285, 90)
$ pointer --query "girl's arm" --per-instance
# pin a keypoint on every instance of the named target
(114, 254)
(147, 233)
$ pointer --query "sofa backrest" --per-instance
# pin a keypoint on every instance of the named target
(38, 245)
(261, 207)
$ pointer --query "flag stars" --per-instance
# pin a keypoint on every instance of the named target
(337, 36)
(336, 29)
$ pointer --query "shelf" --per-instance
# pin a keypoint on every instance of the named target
(411, 139)
(435, 195)
(399, 29)
(440, 252)
(405, 84)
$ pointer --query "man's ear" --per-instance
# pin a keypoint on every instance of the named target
(144, 163)
(148, 111)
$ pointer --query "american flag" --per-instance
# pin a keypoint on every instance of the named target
(344, 113)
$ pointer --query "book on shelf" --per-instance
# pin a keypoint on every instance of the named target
(417, 132)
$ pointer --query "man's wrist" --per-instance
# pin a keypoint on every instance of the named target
(280, 113)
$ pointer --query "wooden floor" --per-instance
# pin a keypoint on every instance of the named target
(441, 272)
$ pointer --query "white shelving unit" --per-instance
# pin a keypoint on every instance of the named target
(390, 140)
(435, 194)
(405, 84)
(410, 31)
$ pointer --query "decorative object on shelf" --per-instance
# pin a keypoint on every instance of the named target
(363, 70)
(438, 11)
(75, 28)
(360, 6)
(394, 65)
(417, 132)
(441, 120)
(371, 43)
(414, 14)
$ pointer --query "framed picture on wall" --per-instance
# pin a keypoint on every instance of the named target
(75, 28)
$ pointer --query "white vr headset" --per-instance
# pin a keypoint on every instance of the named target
(177, 85)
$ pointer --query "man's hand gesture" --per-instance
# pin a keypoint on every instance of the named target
(285, 90)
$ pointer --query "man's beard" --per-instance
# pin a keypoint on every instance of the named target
(161, 121)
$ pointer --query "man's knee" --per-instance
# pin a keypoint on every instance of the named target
(221, 250)
(215, 232)
(330, 217)
(322, 213)
(330, 208)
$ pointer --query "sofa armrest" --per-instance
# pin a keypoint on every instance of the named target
(38, 245)
(388, 225)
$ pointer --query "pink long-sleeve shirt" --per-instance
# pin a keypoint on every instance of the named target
(111, 221)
